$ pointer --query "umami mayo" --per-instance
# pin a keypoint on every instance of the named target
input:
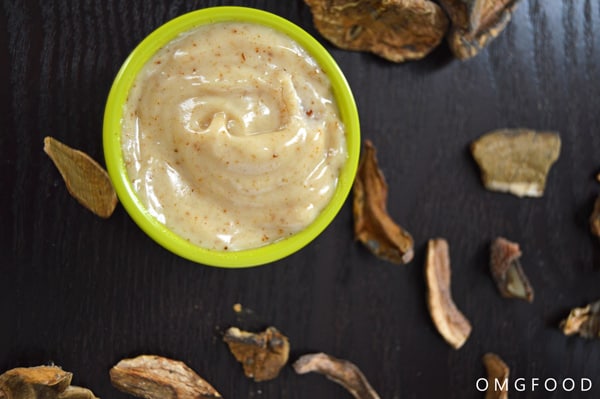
(231, 136)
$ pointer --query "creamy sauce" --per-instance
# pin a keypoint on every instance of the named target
(232, 138)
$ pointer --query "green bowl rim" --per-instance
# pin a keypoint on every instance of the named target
(116, 166)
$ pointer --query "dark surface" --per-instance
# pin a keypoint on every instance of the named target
(84, 292)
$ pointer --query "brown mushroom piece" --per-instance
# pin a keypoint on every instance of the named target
(516, 161)
(497, 372)
(475, 23)
(452, 325)
(41, 382)
(595, 219)
(373, 226)
(262, 355)
(507, 271)
(85, 179)
(156, 377)
(397, 30)
(73, 392)
(583, 321)
(343, 372)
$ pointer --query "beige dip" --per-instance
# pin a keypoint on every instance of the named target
(232, 138)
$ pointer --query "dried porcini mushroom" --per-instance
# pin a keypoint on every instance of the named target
(372, 224)
(397, 30)
(341, 371)
(475, 23)
(497, 370)
(41, 382)
(85, 179)
(73, 392)
(583, 321)
(507, 271)
(262, 355)
(454, 327)
(595, 218)
(516, 161)
(156, 377)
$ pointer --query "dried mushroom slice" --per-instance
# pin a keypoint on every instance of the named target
(41, 382)
(156, 377)
(341, 371)
(34, 382)
(397, 30)
(73, 392)
(516, 161)
(595, 219)
(262, 355)
(497, 370)
(583, 321)
(507, 271)
(475, 23)
(85, 179)
(372, 224)
(453, 326)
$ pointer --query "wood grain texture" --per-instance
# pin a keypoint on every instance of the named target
(84, 293)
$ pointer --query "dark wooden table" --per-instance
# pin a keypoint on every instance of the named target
(84, 292)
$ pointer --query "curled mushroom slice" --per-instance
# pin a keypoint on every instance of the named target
(340, 371)
(507, 271)
(397, 30)
(85, 179)
(475, 23)
(454, 327)
(41, 382)
(498, 373)
(583, 321)
(372, 224)
(262, 355)
(595, 219)
(156, 377)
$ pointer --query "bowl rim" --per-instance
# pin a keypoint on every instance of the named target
(111, 137)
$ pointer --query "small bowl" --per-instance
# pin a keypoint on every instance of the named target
(115, 161)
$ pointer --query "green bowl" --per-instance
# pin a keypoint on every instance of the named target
(114, 156)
